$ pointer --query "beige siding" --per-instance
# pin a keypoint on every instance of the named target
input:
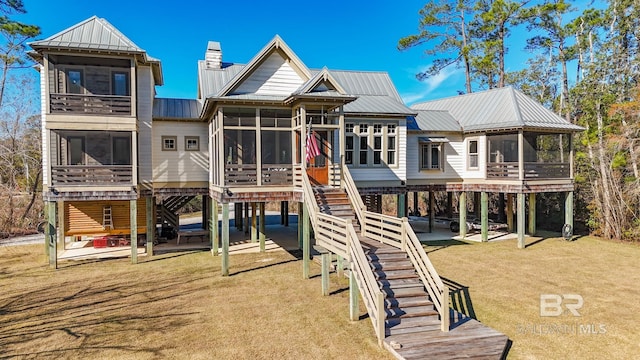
(90, 122)
(180, 166)
(273, 77)
(45, 136)
(145, 94)
(85, 217)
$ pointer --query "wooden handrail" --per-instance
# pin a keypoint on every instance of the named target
(332, 234)
(354, 195)
(372, 297)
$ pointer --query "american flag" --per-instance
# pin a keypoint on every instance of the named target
(312, 145)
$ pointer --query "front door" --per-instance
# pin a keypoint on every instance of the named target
(318, 167)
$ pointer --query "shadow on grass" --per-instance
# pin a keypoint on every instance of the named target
(441, 244)
(262, 267)
(339, 291)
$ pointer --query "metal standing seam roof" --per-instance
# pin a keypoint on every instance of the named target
(377, 104)
(176, 109)
(211, 81)
(92, 34)
(435, 120)
(496, 109)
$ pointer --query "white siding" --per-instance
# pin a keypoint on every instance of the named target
(180, 166)
(273, 77)
(144, 103)
(455, 162)
(45, 135)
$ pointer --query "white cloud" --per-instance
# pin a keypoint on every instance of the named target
(431, 84)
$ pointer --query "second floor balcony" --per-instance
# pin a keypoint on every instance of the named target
(90, 104)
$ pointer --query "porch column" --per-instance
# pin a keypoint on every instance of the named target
(205, 212)
(246, 218)
(61, 228)
(281, 212)
(532, 213)
(326, 261)
(520, 215)
(133, 218)
(52, 244)
(449, 204)
(520, 156)
(431, 209)
(225, 239)
(300, 222)
(263, 222)
(254, 224)
(484, 215)
(463, 214)
(354, 300)
(510, 212)
(402, 204)
(306, 251)
(568, 208)
(151, 223)
(213, 227)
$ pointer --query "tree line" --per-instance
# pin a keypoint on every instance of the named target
(582, 63)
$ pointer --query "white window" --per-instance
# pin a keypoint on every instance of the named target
(192, 143)
(377, 150)
(431, 156)
(391, 144)
(364, 150)
(472, 160)
(349, 144)
(169, 143)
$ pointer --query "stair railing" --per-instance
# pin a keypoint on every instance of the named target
(310, 199)
(438, 291)
(372, 297)
(354, 195)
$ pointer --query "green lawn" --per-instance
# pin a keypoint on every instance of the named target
(176, 306)
(505, 284)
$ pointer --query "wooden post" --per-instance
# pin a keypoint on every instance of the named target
(326, 260)
(354, 301)
(286, 214)
(281, 212)
(510, 212)
(254, 224)
(263, 222)
(380, 328)
(306, 251)
(300, 222)
(247, 219)
(61, 229)
(339, 265)
(484, 216)
(568, 208)
(225, 239)
(501, 214)
(401, 199)
(431, 210)
(133, 218)
(47, 229)
(205, 212)
(532, 214)
(52, 241)
(416, 208)
(151, 223)
(445, 317)
(213, 227)
(521, 155)
(520, 223)
(463, 214)
(449, 204)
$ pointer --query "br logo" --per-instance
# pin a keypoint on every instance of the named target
(553, 304)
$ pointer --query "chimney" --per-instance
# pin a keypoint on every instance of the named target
(213, 56)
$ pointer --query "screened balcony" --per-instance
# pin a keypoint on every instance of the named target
(545, 156)
(91, 158)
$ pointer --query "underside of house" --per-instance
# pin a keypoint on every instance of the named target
(120, 162)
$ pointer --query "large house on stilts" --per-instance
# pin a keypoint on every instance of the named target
(118, 161)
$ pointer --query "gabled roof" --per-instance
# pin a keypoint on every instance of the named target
(433, 120)
(276, 44)
(176, 109)
(498, 109)
(322, 81)
(92, 34)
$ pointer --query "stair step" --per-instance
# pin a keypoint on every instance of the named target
(393, 265)
(409, 301)
(400, 283)
(375, 257)
(396, 274)
(396, 326)
(408, 312)
(416, 290)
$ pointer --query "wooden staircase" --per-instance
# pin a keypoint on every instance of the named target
(167, 210)
(412, 324)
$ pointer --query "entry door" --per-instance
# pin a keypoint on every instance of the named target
(318, 168)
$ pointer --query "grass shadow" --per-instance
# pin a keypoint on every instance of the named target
(262, 267)
(441, 244)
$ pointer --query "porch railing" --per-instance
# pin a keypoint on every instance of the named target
(532, 170)
(277, 174)
(240, 174)
(91, 174)
(91, 104)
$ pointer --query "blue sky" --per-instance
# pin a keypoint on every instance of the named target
(339, 34)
